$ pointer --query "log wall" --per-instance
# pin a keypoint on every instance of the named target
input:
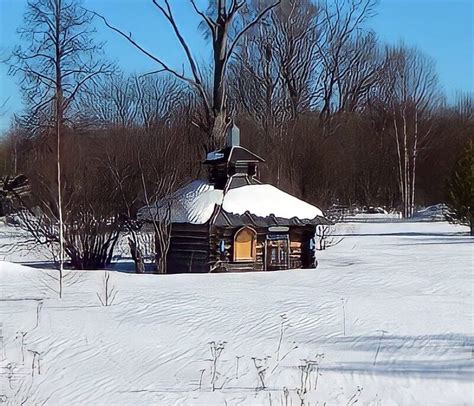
(300, 253)
(189, 248)
(196, 248)
(227, 235)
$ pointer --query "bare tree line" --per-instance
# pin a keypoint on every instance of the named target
(340, 117)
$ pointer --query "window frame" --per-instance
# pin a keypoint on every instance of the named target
(253, 248)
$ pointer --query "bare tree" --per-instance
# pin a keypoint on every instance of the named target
(143, 178)
(160, 216)
(225, 25)
(359, 71)
(308, 59)
(142, 133)
(122, 101)
(272, 77)
(413, 96)
(10, 149)
(56, 62)
(109, 291)
(343, 21)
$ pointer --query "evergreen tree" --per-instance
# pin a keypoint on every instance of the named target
(461, 189)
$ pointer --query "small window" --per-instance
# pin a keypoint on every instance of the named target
(244, 244)
(222, 246)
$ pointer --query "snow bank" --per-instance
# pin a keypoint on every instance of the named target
(403, 337)
(373, 218)
(436, 212)
(431, 213)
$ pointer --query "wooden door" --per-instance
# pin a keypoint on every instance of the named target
(277, 252)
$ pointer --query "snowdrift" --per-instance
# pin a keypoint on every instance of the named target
(386, 319)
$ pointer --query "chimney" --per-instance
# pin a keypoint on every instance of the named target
(233, 136)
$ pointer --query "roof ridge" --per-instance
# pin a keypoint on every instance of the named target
(250, 152)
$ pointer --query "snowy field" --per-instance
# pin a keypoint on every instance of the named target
(385, 319)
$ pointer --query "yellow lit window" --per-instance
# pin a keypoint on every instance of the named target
(244, 244)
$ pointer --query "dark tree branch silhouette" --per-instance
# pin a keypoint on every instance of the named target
(55, 63)
(225, 36)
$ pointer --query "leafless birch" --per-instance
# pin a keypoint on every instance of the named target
(55, 63)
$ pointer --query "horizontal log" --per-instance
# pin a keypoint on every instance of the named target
(180, 244)
(190, 237)
(189, 226)
(190, 250)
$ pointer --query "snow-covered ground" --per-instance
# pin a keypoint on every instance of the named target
(385, 319)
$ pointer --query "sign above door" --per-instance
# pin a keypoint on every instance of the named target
(278, 229)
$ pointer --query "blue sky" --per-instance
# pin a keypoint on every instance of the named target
(440, 28)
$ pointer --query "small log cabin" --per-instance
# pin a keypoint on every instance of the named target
(233, 222)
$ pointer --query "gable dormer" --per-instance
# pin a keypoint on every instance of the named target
(232, 161)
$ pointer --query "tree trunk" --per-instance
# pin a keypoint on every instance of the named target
(162, 245)
(400, 165)
(219, 130)
(160, 256)
(413, 166)
(406, 165)
(15, 154)
(59, 113)
(137, 256)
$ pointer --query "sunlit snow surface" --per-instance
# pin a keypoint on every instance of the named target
(405, 290)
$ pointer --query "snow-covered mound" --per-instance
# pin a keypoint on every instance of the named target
(195, 203)
(436, 212)
(373, 218)
(431, 213)
(385, 319)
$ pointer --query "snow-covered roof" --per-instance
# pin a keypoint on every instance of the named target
(214, 155)
(195, 203)
(264, 200)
